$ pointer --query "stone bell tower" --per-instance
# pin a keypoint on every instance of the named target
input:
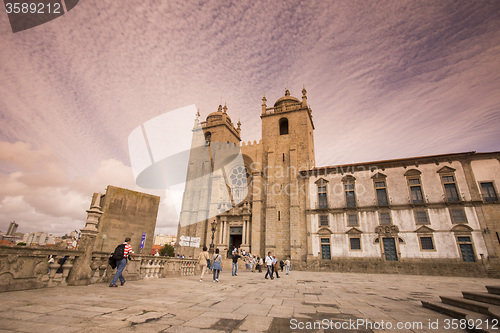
(288, 148)
(215, 145)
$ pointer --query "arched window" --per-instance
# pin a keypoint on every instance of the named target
(283, 126)
(208, 138)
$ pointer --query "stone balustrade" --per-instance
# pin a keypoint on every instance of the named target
(160, 267)
(23, 267)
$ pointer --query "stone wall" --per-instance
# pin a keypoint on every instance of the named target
(412, 267)
(24, 268)
(126, 214)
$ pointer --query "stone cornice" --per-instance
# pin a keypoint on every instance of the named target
(403, 162)
(428, 205)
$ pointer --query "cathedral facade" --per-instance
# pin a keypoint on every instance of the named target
(269, 196)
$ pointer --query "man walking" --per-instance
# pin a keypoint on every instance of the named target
(236, 256)
(275, 266)
(121, 261)
(269, 264)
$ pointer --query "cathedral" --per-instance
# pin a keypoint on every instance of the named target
(269, 196)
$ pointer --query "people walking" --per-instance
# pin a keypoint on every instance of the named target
(275, 266)
(260, 263)
(50, 262)
(121, 261)
(269, 264)
(217, 265)
(203, 260)
(287, 266)
(234, 270)
(282, 264)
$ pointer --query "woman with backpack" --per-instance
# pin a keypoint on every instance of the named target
(216, 265)
(203, 261)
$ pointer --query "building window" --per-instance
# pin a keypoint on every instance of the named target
(350, 197)
(458, 215)
(381, 190)
(450, 188)
(385, 218)
(466, 248)
(426, 243)
(283, 126)
(323, 220)
(489, 193)
(355, 243)
(421, 217)
(322, 197)
(416, 190)
(352, 219)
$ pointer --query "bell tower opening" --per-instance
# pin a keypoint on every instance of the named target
(208, 138)
(283, 126)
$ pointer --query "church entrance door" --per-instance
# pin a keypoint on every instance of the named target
(235, 238)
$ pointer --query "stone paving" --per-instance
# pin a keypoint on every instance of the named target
(243, 303)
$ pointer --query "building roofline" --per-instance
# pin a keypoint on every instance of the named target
(404, 162)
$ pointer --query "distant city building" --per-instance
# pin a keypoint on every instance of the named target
(38, 238)
(165, 239)
(11, 235)
(12, 229)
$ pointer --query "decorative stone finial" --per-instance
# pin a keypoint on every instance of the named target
(264, 100)
(239, 124)
(304, 97)
(225, 108)
(198, 114)
(97, 201)
(220, 108)
(287, 92)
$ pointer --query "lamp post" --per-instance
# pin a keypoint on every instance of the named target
(214, 225)
(104, 236)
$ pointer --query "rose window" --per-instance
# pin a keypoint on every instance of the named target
(238, 176)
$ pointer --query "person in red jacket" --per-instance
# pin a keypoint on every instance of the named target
(122, 262)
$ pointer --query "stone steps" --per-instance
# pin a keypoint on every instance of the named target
(482, 297)
(482, 309)
(493, 289)
(475, 306)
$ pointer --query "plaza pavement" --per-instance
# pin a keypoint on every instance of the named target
(243, 303)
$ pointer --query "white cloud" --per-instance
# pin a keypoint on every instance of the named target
(41, 197)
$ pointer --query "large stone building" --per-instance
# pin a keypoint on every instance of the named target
(126, 213)
(442, 207)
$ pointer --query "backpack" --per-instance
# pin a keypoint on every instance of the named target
(119, 252)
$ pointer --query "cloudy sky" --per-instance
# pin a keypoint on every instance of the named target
(385, 79)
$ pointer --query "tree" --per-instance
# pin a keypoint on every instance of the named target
(21, 244)
(168, 249)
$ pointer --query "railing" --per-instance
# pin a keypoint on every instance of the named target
(284, 108)
(28, 267)
(152, 267)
